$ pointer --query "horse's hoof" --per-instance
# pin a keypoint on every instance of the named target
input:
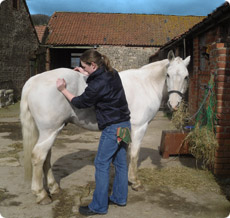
(137, 186)
(44, 201)
(55, 189)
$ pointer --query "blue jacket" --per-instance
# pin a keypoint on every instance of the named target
(106, 93)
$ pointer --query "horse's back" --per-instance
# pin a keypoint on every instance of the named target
(48, 79)
(45, 102)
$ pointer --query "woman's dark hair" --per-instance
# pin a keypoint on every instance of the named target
(92, 55)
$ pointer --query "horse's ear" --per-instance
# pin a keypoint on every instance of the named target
(187, 61)
(171, 55)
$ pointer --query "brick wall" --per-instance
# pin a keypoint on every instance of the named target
(220, 59)
(18, 44)
(123, 58)
(194, 79)
(219, 65)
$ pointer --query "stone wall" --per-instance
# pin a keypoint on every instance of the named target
(123, 58)
(18, 43)
(6, 97)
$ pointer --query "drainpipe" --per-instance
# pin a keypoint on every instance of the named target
(184, 43)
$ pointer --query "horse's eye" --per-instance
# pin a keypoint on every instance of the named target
(186, 78)
(167, 75)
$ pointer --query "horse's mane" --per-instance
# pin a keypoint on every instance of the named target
(165, 61)
(147, 70)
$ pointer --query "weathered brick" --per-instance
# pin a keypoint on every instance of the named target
(220, 45)
(218, 166)
(219, 154)
(221, 172)
(222, 135)
(224, 116)
(227, 143)
(226, 166)
(221, 64)
(223, 160)
(222, 91)
(224, 122)
(220, 129)
(223, 58)
(222, 78)
(227, 154)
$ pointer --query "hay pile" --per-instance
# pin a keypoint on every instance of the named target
(181, 116)
(202, 139)
(203, 145)
(179, 177)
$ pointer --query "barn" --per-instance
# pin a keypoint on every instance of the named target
(20, 48)
(127, 39)
(208, 43)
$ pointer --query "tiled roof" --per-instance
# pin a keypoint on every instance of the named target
(68, 28)
(40, 31)
(212, 19)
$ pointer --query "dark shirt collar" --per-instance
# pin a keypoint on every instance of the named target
(96, 73)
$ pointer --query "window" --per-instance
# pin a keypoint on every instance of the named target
(16, 4)
(75, 59)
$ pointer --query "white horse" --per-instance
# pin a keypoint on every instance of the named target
(44, 111)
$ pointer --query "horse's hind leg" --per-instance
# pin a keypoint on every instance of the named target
(137, 136)
(48, 174)
(39, 155)
(38, 158)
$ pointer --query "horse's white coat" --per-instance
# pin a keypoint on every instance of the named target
(44, 112)
(0, 4)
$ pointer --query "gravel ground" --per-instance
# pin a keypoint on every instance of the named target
(171, 187)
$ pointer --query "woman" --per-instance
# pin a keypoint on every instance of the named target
(105, 92)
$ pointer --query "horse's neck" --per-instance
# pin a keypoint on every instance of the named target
(156, 74)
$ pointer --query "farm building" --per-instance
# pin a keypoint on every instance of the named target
(208, 43)
(127, 39)
(41, 32)
(20, 52)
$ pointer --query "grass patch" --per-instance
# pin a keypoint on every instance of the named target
(10, 111)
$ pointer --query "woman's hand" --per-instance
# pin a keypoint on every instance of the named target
(61, 84)
(80, 69)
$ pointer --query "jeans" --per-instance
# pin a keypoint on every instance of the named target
(109, 151)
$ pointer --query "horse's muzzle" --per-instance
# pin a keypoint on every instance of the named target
(173, 109)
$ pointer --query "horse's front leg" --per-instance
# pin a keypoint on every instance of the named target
(51, 182)
(137, 136)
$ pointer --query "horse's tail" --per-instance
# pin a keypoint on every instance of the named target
(29, 131)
